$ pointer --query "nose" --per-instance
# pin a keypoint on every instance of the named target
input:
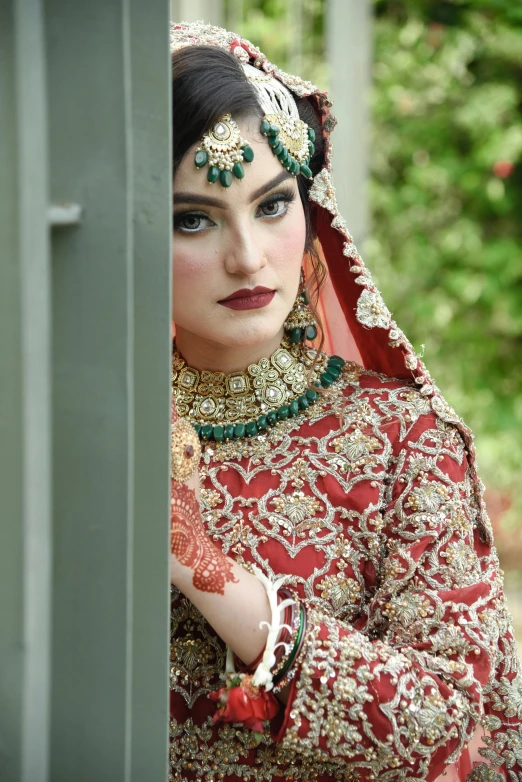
(244, 253)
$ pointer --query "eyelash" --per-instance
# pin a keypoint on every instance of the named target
(287, 198)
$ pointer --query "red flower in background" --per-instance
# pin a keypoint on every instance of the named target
(435, 34)
(503, 168)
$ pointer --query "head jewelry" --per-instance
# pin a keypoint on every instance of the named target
(291, 140)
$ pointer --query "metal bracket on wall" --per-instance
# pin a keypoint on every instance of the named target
(65, 213)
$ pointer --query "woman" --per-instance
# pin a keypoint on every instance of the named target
(337, 606)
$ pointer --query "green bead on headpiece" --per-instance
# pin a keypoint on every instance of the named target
(290, 139)
(291, 142)
(224, 151)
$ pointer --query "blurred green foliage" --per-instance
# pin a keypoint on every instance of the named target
(446, 194)
(273, 25)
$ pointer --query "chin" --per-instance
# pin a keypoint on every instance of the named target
(253, 333)
(249, 337)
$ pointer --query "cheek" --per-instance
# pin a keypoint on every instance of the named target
(192, 270)
(189, 267)
(291, 245)
(288, 242)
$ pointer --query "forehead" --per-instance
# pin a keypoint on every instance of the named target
(264, 167)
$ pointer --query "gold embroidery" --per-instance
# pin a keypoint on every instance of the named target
(483, 773)
(209, 754)
(294, 509)
(360, 568)
(195, 653)
(340, 591)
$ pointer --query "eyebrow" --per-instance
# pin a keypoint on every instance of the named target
(204, 200)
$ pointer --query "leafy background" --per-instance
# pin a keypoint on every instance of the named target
(446, 200)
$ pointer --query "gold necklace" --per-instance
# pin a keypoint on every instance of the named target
(244, 404)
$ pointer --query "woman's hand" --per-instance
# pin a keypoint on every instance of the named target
(191, 548)
(199, 569)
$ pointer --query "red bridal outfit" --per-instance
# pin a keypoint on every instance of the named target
(369, 504)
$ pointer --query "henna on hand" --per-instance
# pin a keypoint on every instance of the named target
(192, 547)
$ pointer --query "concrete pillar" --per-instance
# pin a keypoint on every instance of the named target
(210, 11)
(25, 398)
(110, 141)
(349, 57)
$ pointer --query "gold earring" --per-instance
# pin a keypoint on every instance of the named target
(301, 325)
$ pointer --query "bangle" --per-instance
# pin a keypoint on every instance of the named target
(263, 673)
(245, 697)
(283, 638)
(296, 647)
(293, 621)
(284, 680)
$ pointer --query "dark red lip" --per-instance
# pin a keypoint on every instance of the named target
(246, 293)
(247, 299)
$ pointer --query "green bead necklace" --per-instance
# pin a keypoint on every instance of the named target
(212, 395)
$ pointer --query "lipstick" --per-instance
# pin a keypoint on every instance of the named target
(249, 299)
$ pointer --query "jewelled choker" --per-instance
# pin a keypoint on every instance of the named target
(244, 404)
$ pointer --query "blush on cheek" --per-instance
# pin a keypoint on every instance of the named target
(289, 243)
(191, 273)
(187, 264)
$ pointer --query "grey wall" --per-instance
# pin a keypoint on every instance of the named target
(85, 390)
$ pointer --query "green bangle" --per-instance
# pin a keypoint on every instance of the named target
(295, 648)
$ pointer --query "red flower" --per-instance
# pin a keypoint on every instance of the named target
(503, 168)
(245, 703)
(435, 34)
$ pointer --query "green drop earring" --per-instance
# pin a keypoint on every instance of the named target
(224, 151)
(301, 325)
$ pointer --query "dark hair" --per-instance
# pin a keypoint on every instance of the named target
(208, 82)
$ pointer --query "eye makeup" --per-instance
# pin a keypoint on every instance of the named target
(285, 197)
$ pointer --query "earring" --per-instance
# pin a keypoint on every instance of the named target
(223, 149)
(301, 324)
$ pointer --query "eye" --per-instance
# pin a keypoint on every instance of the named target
(277, 205)
(191, 222)
(273, 208)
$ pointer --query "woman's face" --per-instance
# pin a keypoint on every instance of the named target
(248, 236)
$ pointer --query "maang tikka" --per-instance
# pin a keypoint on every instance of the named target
(301, 325)
(291, 140)
(224, 150)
